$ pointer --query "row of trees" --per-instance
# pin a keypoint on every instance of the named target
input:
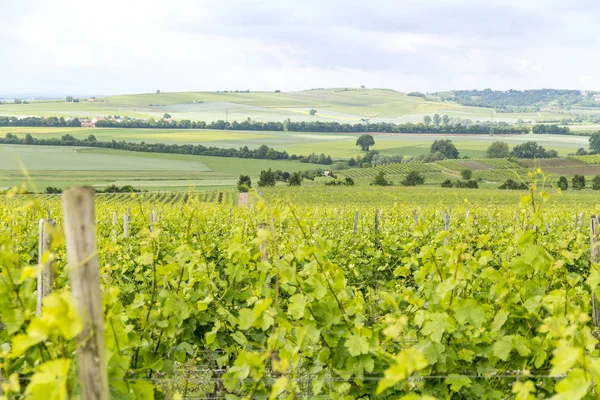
(300, 126)
(525, 150)
(263, 152)
(578, 182)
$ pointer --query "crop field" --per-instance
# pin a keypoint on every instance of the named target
(339, 145)
(353, 293)
(378, 105)
(42, 166)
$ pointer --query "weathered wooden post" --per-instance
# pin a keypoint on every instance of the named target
(45, 280)
(264, 249)
(355, 224)
(152, 219)
(114, 226)
(416, 217)
(84, 274)
(594, 259)
(48, 213)
(376, 222)
(126, 224)
(446, 217)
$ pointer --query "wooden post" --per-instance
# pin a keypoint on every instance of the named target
(446, 226)
(84, 274)
(45, 280)
(220, 197)
(114, 225)
(376, 222)
(580, 220)
(264, 249)
(516, 217)
(152, 219)
(126, 224)
(48, 213)
(594, 259)
(416, 217)
(355, 224)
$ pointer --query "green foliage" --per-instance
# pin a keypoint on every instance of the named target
(380, 180)
(513, 185)
(595, 142)
(466, 174)
(413, 178)
(244, 183)
(498, 150)
(447, 183)
(596, 182)
(532, 150)
(445, 147)
(295, 179)
(578, 182)
(312, 111)
(365, 141)
(267, 178)
(563, 183)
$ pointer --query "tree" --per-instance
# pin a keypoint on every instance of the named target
(158, 91)
(267, 178)
(244, 183)
(365, 141)
(69, 99)
(595, 142)
(596, 183)
(312, 111)
(380, 180)
(295, 179)
(532, 150)
(445, 147)
(466, 174)
(351, 162)
(497, 150)
(437, 119)
(413, 178)
(166, 116)
(447, 183)
(563, 184)
(445, 120)
(28, 139)
(512, 185)
(578, 182)
(91, 138)
(427, 120)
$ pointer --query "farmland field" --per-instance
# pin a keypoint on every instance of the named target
(351, 106)
(347, 294)
(338, 145)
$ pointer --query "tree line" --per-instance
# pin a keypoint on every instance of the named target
(263, 152)
(443, 127)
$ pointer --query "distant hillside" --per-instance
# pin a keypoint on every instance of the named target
(526, 100)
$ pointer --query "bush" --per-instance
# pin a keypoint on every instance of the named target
(466, 174)
(413, 179)
(596, 183)
(380, 180)
(349, 181)
(447, 183)
(578, 182)
(295, 179)
(512, 185)
(563, 184)
(244, 183)
(267, 178)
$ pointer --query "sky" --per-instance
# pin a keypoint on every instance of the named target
(138, 46)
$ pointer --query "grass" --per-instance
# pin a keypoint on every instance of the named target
(378, 105)
(68, 166)
(338, 145)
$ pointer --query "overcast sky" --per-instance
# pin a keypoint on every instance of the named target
(132, 46)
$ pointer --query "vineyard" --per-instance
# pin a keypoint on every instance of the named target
(342, 300)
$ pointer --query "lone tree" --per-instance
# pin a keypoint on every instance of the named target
(466, 174)
(445, 120)
(365, 141)
(595, 142)
(437, 119)
(312, 111)
(166, 116)
(427, 120)
(413, 178)
(497, 150)
(446, 147)
(578, 182)
(244, 183)
(69, 99)
(563, 183)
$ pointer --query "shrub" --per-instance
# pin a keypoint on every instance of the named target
(563, 183)
(578, 182)
(447, 183)
(413, 178)
(512, 185)
(380, 180)
(466, 174)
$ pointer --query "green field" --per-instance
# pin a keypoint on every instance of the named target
(42, 166)
(344, 106)
(338, 145)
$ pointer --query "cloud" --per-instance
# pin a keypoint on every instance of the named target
(125, 46)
